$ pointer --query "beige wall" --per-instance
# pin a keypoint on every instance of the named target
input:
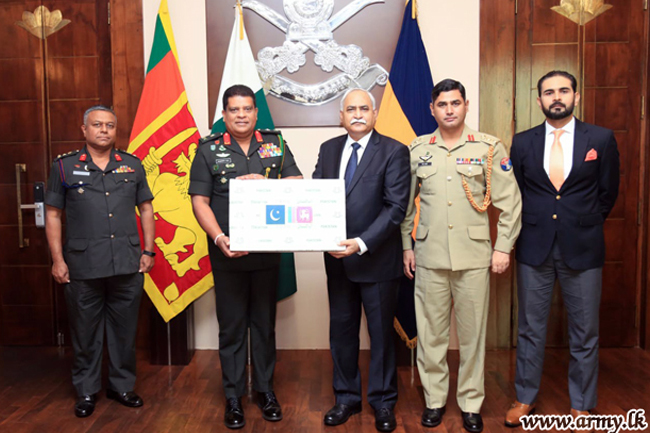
(450, 31)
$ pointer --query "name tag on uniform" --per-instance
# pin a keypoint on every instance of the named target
(424, 164)
(81, 173)
(269, 150)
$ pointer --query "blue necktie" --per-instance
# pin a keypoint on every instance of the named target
(352, 165)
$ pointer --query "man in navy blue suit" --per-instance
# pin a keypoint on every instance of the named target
(568, 174)
(376, 173)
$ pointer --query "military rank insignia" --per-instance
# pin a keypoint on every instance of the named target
(269, 150)
(470, 161)
(124, 169)
(506, 164)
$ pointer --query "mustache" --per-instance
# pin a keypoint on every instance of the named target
(558, 104)
(362, 121)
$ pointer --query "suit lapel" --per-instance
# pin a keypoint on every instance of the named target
(539, 142)
(368, 154)
(580, 144)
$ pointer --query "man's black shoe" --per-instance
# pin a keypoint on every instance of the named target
(385, 420)
(129, 399)
(340, 413)
(85, 406)
(234, 416)
(271, 410)
(432, 417)
(473, 422)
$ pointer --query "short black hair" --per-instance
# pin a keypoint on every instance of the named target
(565, 74)
(98, 108)
(238, 90)
(447, 85)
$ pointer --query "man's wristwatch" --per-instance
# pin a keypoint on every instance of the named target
(148, 253)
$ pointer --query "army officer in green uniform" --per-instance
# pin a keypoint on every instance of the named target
(245, 284)
(101, 262)
(456, 172)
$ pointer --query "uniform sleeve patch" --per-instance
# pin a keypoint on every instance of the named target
(506, 164)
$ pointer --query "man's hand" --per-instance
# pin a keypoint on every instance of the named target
(60, 272)
(146, 263)
(351, 247)
(409, 263)
(251, 176)
(223, 242)
(500, 262)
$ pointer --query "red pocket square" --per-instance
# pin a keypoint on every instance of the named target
(591, 155)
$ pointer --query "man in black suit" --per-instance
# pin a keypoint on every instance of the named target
(376, 173)
(568, 174)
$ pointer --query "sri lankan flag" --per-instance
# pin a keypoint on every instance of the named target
(405, 114)
(165, 138)
(240, 68)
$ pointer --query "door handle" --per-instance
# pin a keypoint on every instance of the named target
(38, 206)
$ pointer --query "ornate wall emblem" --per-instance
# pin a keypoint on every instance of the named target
(581, 11)
(42, 23)
(309, 26)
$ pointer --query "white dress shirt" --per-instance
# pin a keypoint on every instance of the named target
(345, 158)
(566, 140)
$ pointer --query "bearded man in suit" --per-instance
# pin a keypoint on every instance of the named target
(568, 174)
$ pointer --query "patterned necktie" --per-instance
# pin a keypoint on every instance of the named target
(556, 163)
(352, 165)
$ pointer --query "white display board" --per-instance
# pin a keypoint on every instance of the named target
(287, 215)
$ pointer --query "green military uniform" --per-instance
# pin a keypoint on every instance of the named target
(245, 287)
(453, 253)
(102, 252)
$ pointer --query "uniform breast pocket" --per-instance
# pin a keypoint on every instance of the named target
(221, 178)
(427, 176)
(271, 167)
(125, 183)
(474, 175)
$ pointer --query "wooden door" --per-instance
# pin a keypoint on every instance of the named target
(47, 85)
(607, 58)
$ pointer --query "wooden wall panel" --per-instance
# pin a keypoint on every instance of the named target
(496, 117)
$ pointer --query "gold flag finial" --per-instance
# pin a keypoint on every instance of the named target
(42, 23)
(581, 11)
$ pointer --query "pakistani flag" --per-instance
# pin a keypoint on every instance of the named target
(240, 68)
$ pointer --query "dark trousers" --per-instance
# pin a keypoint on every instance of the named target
(581, 292)
(110, 303)
(246, 298)
(379, 302)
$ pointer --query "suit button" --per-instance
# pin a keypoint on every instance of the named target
(557, 197)
(554, 216)
(112, 236)
(449, 178)
(108, 193)
(110, 215)
(448, 154)
(451, 226)
(448, 203)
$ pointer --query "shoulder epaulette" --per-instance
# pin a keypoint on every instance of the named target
(270, 131)
(126, 153)
(422, 139)
(490, 139)
(64, 155)
(211, 137)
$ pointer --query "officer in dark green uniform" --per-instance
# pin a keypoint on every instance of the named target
(245, 284)
(101, 262)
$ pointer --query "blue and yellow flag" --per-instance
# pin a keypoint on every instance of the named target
(405, 114)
